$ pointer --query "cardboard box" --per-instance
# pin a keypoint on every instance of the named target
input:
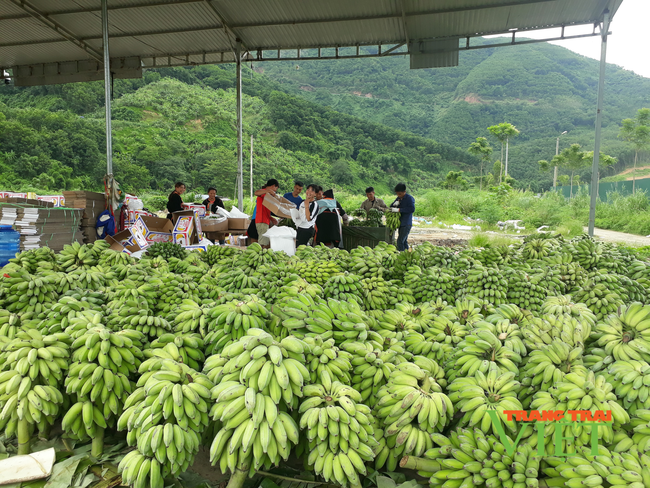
(238, 224)
(198, 247)
(184, 231)
(280, 206)
(57, 200)
(200, 209)
(152, 229)
(214, 225)
(198, 233)
(16, 195)
(123, 242)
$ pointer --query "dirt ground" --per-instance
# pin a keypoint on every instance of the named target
(449, 237)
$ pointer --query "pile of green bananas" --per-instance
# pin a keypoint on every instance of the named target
(254, 256)
(539, 248)
(547, 366)
(631, 382)
(221, 255)
(398, 293)
(607, 468)
(484, 283)
(110, 258)
(323, 355)
(366, 263)
(257, 379)
(235, 280)
(23, 292)
(33, 369)
(481, 394)
(376, 293)
(31, 260)
(410, 408)
(77, 255)
(316, 272)
(339, 431)
(566, 328)
(393, 324)
(99, 380)
(231, 321)
(430, 284)
(478, 352)
(371, 367)
(344, 287)
(166, 250)
(192, 317)
(165, 417)
(561, 305)
(12, 323)
(418, 345)
(172, 290)
(580, 391)
(187, 347)
(625, 334)
(470, 458)
(525, 290)
(586, 252)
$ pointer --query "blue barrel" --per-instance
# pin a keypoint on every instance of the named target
(9, 243)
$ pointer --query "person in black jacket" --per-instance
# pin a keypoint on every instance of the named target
(175, 202)
(213, 202)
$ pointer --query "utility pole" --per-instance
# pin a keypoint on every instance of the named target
(557, 153)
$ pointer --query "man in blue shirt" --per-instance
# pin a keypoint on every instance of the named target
(405, 205)
(294, 196)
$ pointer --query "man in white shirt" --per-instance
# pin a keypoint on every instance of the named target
(308, 212)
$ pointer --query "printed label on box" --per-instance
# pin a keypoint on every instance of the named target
(182, 238)
(184, 224)
(159, 237)
(139, 231)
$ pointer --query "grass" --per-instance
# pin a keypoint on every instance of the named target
(481, 239)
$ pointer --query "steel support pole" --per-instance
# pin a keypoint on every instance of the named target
(107, 89)
(557, 152)
(240, 156)
(251, 167)
(599, 120)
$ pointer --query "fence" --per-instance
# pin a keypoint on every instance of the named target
(622, 187)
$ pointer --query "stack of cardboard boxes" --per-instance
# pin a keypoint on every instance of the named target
(92, 204)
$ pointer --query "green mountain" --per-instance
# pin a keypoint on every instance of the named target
(179, 125)
(540, 88)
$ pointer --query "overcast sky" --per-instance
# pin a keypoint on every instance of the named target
(627, 46)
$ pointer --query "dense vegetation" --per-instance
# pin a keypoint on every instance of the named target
(542, 89)
(180, 125)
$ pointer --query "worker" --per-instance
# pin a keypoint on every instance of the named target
(328, 221)
(175, 201)
(405, 205)
(262, 213)
(373, 202)
(213, 202)
(294, 196)
(308, 212)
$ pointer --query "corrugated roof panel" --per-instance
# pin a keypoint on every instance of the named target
(323, 35)
(183, 27)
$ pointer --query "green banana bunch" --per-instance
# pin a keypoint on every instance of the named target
(64, 312)
(236, 280)
(547, 366)
(631, 382)
(403, 260)
(33, 369)
(607, 468)
(481, 393)
(392, 221)
(508, 333)
(540, 332)
(524, 289)
(483, 283)
(273, 368)
(579, 391)
(469, 457)
(100, 382)
(90, 278)
(465, 311)
(166, 250)
(376, 293)
(137, 314)
(30, 260)
(371, 368)
(187, 347)
(128, 289)
(585, 251)
(399, 294)
(410, 408)
(192, 317)
(344, 287)
(625, 334)
(640, 423)
(231, 321)
(110, 258)
(366, 263)
(324, 356)
(430, 284)
(561, 305)
(418, 345)
(254, 256)
(444, 331)
(393, 324)
(315, 272)
(477, 352)
(539, 248)
(165, 416)
(27, 293)
(77, 256)
(597, 359)
(221, 255)
(339, 431)
(598, 298)
(12, 323)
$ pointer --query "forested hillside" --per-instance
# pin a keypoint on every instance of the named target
(180, 125)
(542, 89)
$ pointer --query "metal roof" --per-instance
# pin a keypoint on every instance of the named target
(52, 39)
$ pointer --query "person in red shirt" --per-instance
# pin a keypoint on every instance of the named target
(263, 214)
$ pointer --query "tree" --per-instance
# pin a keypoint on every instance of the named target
(572, 159)
(496, 170)
(482, 150)
(455, 180)
(563, 180)
(637, 132)
(503, 132)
